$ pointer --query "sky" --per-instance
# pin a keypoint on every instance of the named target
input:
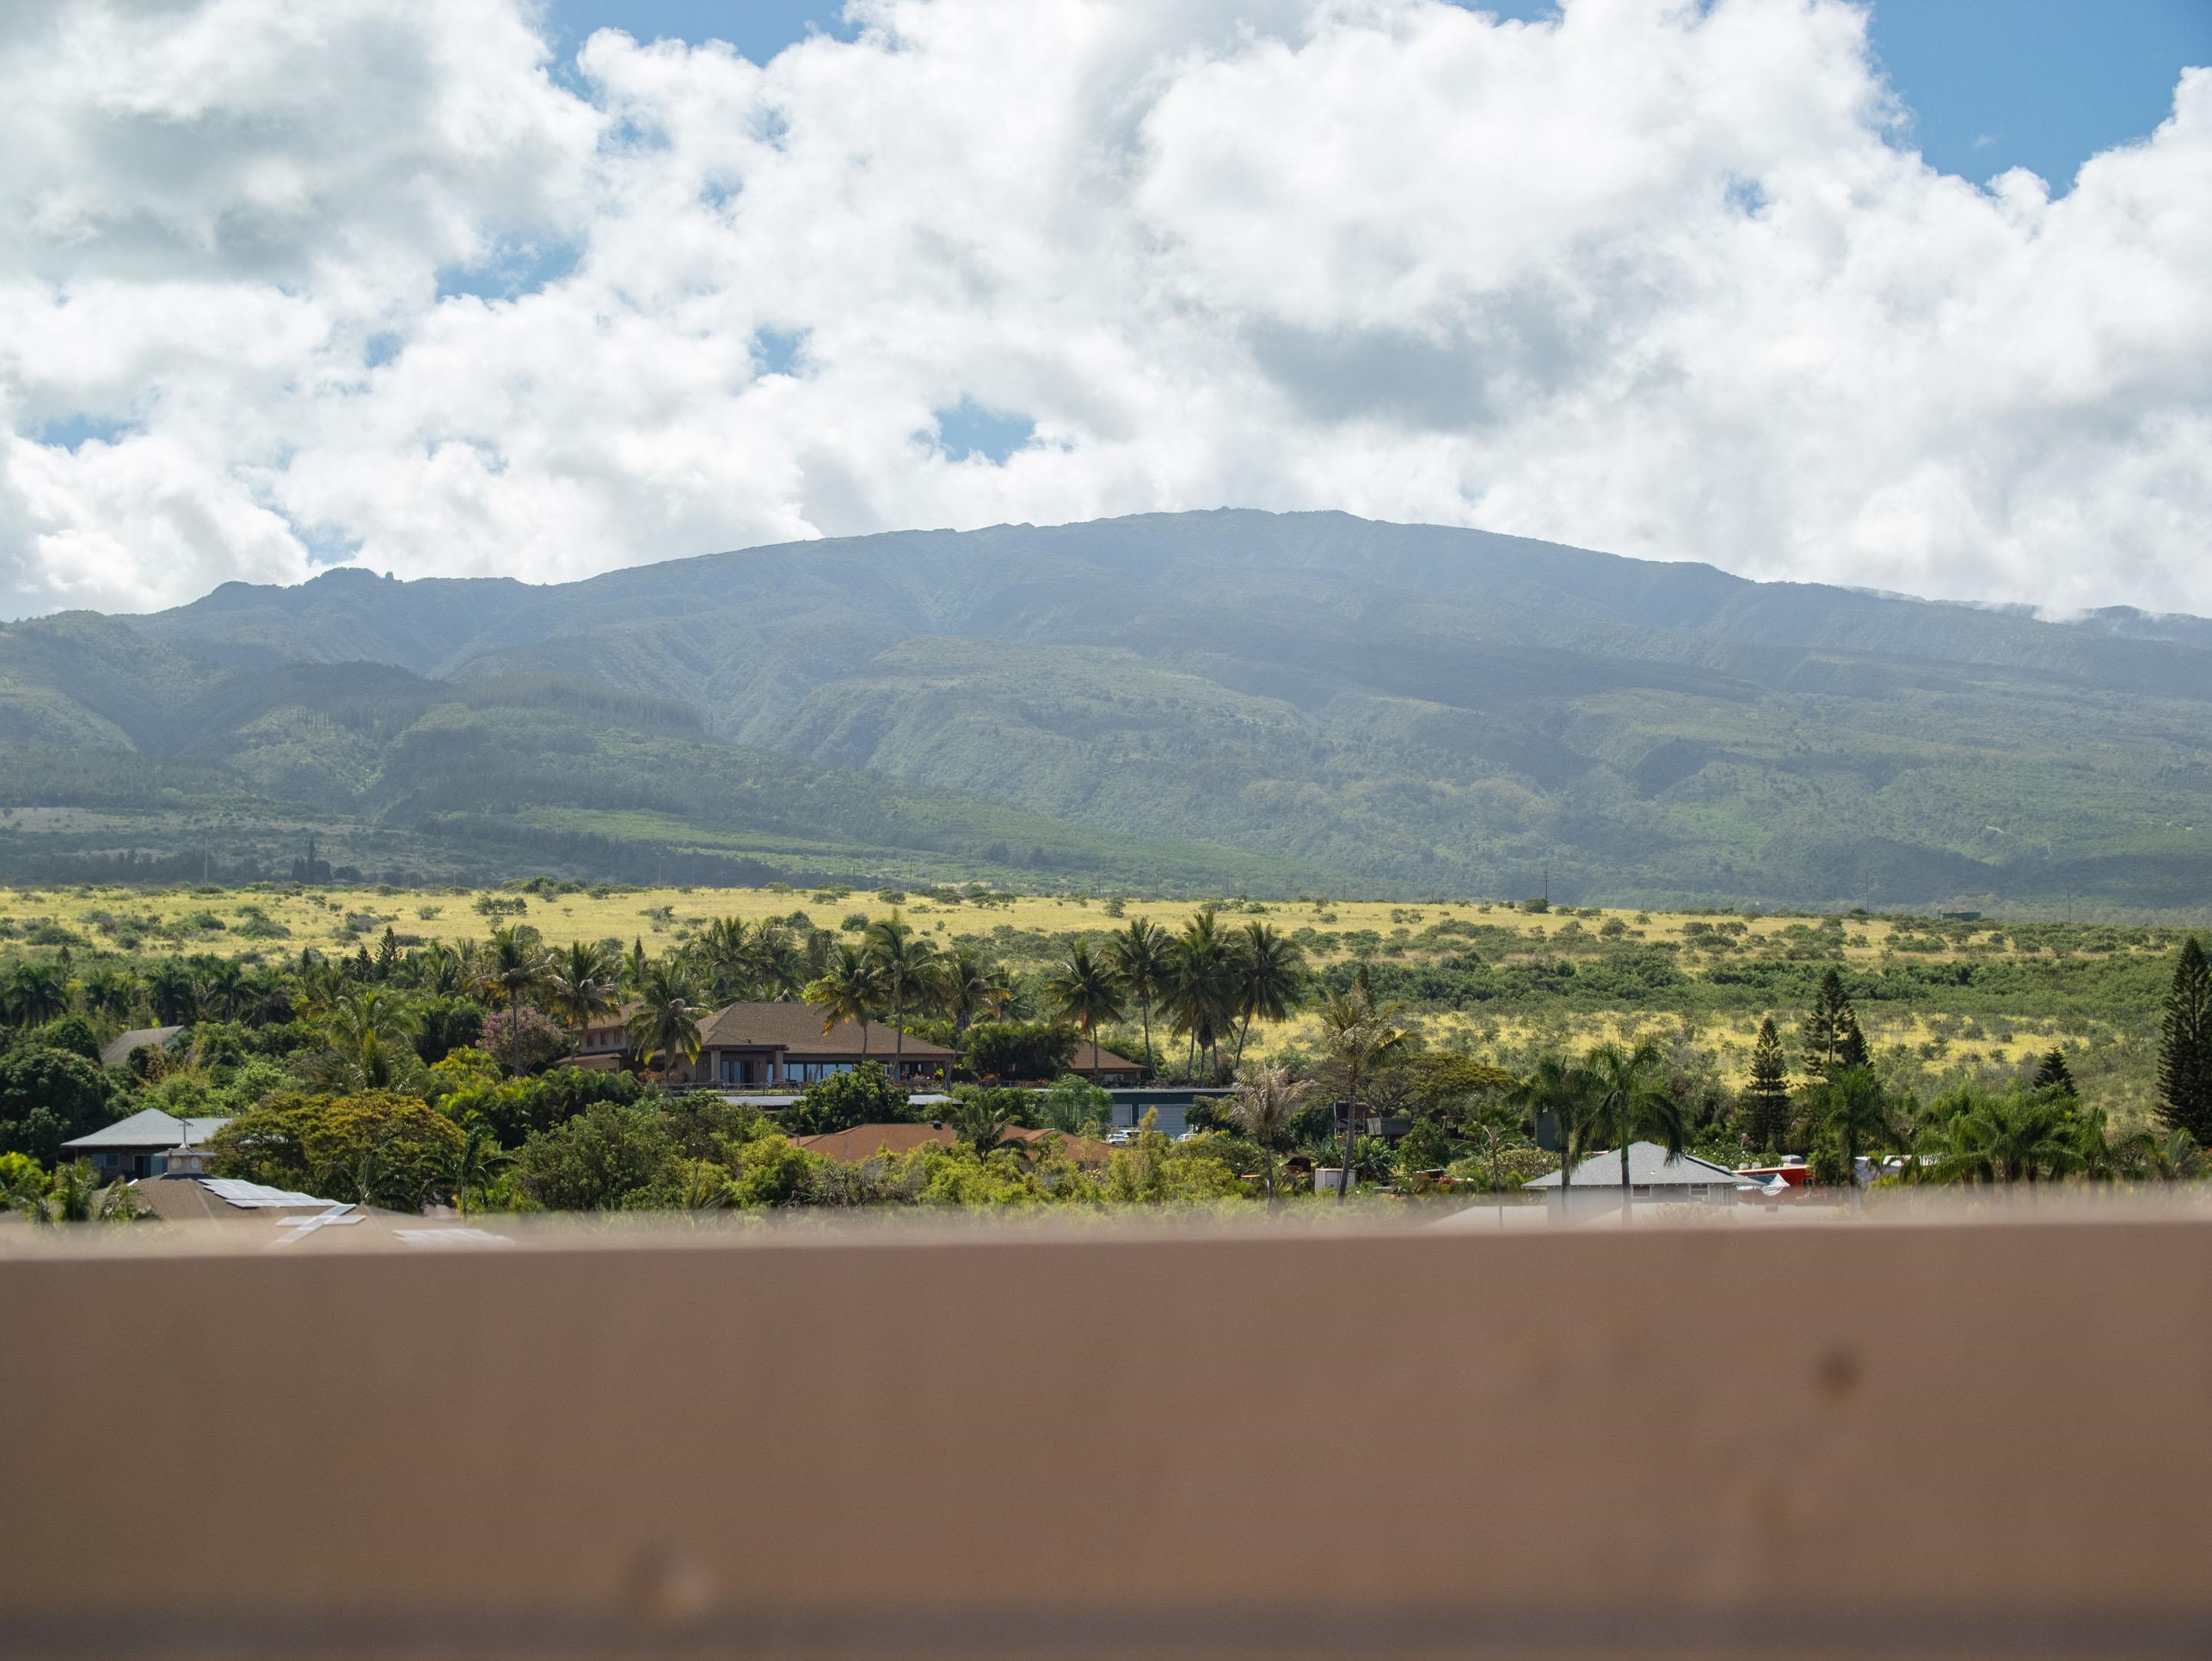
(1910, 297)
(1984, 85)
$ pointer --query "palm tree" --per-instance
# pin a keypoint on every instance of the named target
(903, 959)
(222, 988)
(2002, 1139)
(318, 982)
(778, 962)
(1358, 1037)
(848, 990)
(665, 1022)
(1493, 1123)
(1144, 954)
(361, 1024)
(1267, 1101)
(983, 1121)
(467, 1166)
(111, 991)
(75, 1192)
(1270, 978)
(1569, 1094)
(438, 968)
(266, 998)
(1632, 1103)
(2171, 1158)
(36, 993)
(515, 968)
(582, 982)
(174, 994)
(1853, 1107)
(1002, 998)
(1201, 988)
(725, 951)
(1085, 990)
(963, 986)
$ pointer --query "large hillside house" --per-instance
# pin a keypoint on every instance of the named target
(777, 1044)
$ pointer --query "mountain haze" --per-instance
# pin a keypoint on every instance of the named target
(1398, 708)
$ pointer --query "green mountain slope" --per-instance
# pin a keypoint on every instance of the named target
(1408, 708)
(119, 753)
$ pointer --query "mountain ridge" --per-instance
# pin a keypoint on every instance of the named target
(1408, 708)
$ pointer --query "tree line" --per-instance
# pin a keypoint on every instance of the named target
(436, 1073)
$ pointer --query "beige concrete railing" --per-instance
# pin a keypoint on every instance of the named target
(1917, 1438)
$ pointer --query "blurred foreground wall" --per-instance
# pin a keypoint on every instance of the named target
(1910, 1438)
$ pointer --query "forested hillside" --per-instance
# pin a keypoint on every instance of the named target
(124, 757)
(1404, 708)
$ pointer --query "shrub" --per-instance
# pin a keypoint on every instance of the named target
(772, 1173)
(517, 1109)
(48, 1096)
(864, 1095)
(374, 1145)
(522, 1040)
(1018, 1049)
(72, 1033)
(611, 1157)
(1074, 1105)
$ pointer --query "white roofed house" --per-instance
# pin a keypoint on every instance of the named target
(143, 1145)
(1653, 1178)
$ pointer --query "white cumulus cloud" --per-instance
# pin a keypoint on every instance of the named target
(383, 280)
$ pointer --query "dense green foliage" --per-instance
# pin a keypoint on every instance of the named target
(48, 1096)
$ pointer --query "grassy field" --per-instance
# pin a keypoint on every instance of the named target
(1945, 999)
(236, 921)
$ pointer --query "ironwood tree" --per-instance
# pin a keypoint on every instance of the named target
(2184, 1047)
(1766, 1099)
(1833, 1043)
(2052, 1073)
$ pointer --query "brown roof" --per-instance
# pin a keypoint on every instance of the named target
(1108, 1062)
(865, 1141)
(797, 1028)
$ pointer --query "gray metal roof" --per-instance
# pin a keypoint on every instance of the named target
(117, 1049)
(259, 1197)
(1648, 1166)
(149, 1128)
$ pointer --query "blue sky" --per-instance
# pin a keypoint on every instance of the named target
(2043, 84)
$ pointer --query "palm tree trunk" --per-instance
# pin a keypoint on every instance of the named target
(898, 1029)
(1351, 1117)
(1242, 1033)
(1566, 1169)
(1145, 1004)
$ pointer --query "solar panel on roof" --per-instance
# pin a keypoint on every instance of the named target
(258, 1196)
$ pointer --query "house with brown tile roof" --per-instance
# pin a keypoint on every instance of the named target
(1105, 1068)
(784, 1044)
(777, 1044)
